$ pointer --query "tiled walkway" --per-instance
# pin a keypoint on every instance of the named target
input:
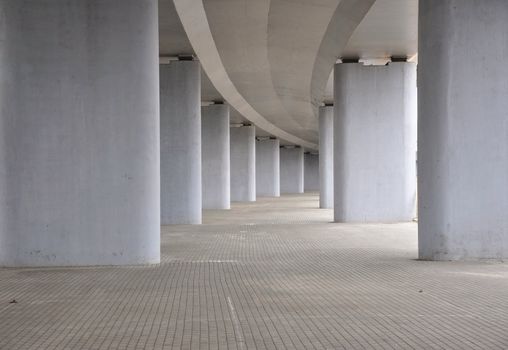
(267, 275)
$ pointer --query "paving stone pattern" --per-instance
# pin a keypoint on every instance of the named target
(275, 274)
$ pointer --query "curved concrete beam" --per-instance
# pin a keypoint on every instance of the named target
(345, 20)
(244, 54)
(305, 40)
(295, 32)
(195, 22)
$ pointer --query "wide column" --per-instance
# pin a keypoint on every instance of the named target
(268, 167)
(79, 155)
(291, 170)
(243, 164)
(311, 172)
(326, 157)
(463, 113)
(375, 142)
(180, 91)
(216, 157)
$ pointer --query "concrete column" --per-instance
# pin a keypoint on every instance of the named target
(180, 91)
(79, 155)
(375, 142)
(311, 172)
(291, 170)
(463, 149)
(215, 153)
(326, 157)
(243, 164)
(268, 168)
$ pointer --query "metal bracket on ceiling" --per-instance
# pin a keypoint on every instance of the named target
(183, 57)
(186, 57)
(239, 125)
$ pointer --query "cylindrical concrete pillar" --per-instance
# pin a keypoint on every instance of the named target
(291, 170)
(462, 137)
(215, 156)
(243, 164)
(180, 92)
(268, 168)
(79, 161)
(311, 172)
(326, 157)
(375, 142)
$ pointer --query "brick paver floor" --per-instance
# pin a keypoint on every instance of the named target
(274, 274)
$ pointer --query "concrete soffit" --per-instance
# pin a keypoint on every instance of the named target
(347, 17)
(194, 20)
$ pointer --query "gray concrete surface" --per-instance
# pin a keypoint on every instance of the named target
(274, 66)
(79, 116)
(215, 157)
(326, 157)
(268, 168)
(242, 52)
(243, 164)
(463, 150)
(291, 170)
(180, 94)
(375, 142)
(311, 172)
(274, 274)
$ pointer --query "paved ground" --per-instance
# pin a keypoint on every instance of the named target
(267, 275)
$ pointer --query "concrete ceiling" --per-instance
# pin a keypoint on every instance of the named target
(271, 60)
(390, 28)
(173, 41)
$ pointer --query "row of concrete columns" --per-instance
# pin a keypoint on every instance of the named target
(92, 158)
(205, 164)
(374, 143)
(462, 135)
(257, 167)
